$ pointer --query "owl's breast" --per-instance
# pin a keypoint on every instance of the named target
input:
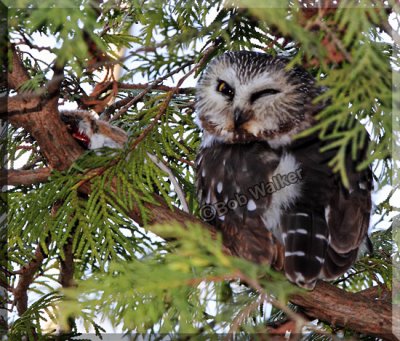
(246, 185)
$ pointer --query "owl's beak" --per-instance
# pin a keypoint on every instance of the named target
(240, 116)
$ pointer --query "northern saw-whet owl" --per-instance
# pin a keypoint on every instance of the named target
(273, 197)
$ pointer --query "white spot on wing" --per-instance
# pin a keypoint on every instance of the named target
(295, 253)
(327, 212)
(208, 200)
(319, 259)
(301, 231)
(299, 277)
(251, 205)
(219, 187)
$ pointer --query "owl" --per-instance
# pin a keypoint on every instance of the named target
(274, 197)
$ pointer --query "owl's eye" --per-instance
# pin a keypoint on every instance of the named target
(265, 92)
(225, 89)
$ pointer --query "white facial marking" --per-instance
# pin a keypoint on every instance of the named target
(248, 74)
(280, 141)
(209, 140)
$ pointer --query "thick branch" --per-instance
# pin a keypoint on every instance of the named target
(43, 123)
(18, 74)
(27, 274)
(67, 266)
(21, 105)
(326, 302)
(24, 177)
(350, 310)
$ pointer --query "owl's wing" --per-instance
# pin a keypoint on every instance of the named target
(324, 230)
(348, 216)
(225, 174)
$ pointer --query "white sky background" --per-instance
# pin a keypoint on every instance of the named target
(43, 40)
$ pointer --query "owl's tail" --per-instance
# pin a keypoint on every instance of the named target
(312, 250)
(305, 236)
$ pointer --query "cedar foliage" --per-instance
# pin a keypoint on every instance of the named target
(183, 282)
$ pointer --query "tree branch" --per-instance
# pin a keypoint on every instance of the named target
(160, 87)
(27, 274)
(16, 177)
(349, 310)
(133, 101)
(43, 121)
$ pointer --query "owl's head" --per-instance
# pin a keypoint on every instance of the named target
(248, 96)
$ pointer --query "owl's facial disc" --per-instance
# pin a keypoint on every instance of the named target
(247, 96)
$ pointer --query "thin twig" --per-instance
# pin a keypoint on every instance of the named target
(336, 40)
(164, 105)
(178, 190)
(33, 163)
(245, 314)
(26, 41)
(391, 32)
(160, 87)
(144, 49)
(130, 102)
(298, 319)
